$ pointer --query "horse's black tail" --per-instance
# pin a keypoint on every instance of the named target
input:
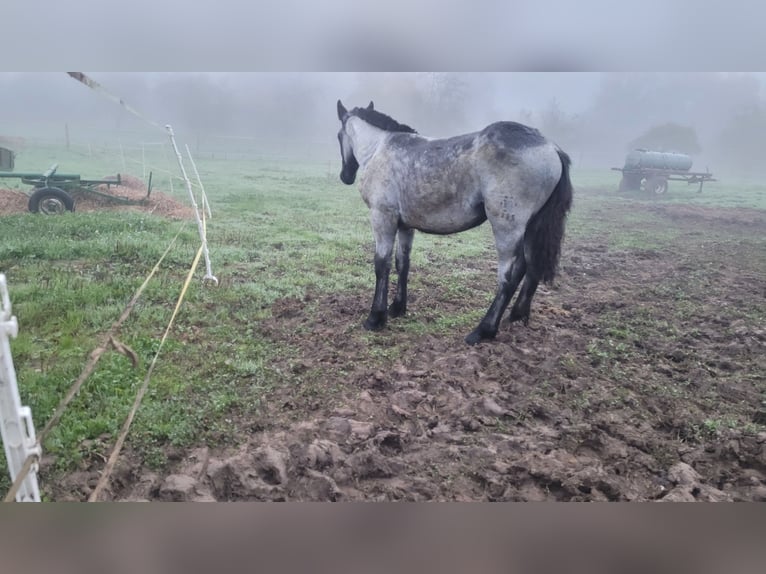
(545, 230)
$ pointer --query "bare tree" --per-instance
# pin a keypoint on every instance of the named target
(742, 141)
(558, 125)
(668, 137)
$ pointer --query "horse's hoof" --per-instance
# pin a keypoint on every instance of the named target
(478, 335)
(519, 316)
(473, 338)
(397, 310)
(374, 324)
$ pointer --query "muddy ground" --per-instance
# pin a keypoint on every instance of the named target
(641, 376)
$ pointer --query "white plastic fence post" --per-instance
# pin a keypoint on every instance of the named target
(18, 432)
(202, 234)
(205, 204)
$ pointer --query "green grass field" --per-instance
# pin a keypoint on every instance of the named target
(278, 230)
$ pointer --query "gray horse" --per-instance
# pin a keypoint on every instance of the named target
(507, 173)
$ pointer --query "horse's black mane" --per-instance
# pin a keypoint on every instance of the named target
(382, 121)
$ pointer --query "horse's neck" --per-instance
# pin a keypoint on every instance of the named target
(367, 139)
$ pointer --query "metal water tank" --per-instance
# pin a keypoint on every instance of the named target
(647, 159)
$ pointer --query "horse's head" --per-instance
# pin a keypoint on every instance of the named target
(350, 165)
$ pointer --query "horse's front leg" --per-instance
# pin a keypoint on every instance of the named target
(403, 247)
(384, 230)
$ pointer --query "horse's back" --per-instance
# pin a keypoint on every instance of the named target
(503, 134)
(512, 135)
(512, 150)
(433, 177)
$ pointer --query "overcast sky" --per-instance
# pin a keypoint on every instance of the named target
(33, 99)
(40, 97)
(396, 34)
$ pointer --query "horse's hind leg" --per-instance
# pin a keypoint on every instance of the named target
(403, 248)
(521, 308)
(511, 269)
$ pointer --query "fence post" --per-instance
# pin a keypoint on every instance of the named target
(200, 224)
(16, 428)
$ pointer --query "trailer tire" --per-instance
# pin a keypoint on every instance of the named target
(50, 201)
(656, 185)
(629, 182)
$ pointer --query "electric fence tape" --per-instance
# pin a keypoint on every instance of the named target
(94, 85)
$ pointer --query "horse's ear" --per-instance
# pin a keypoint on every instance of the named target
(371, 106)
(342, 111)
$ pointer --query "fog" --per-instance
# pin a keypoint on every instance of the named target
(719, 118)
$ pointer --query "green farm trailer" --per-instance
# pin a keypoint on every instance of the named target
(55, 193)
(649, 171)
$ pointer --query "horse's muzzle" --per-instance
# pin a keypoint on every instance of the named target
(348, 177)
(348, 172)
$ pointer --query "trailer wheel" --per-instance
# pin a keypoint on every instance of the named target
(50, 201)
(629, 182)
(656, 185)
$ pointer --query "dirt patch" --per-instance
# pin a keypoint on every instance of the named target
(733, 215)
(12, 201)
(642, 376)
(131, 188)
